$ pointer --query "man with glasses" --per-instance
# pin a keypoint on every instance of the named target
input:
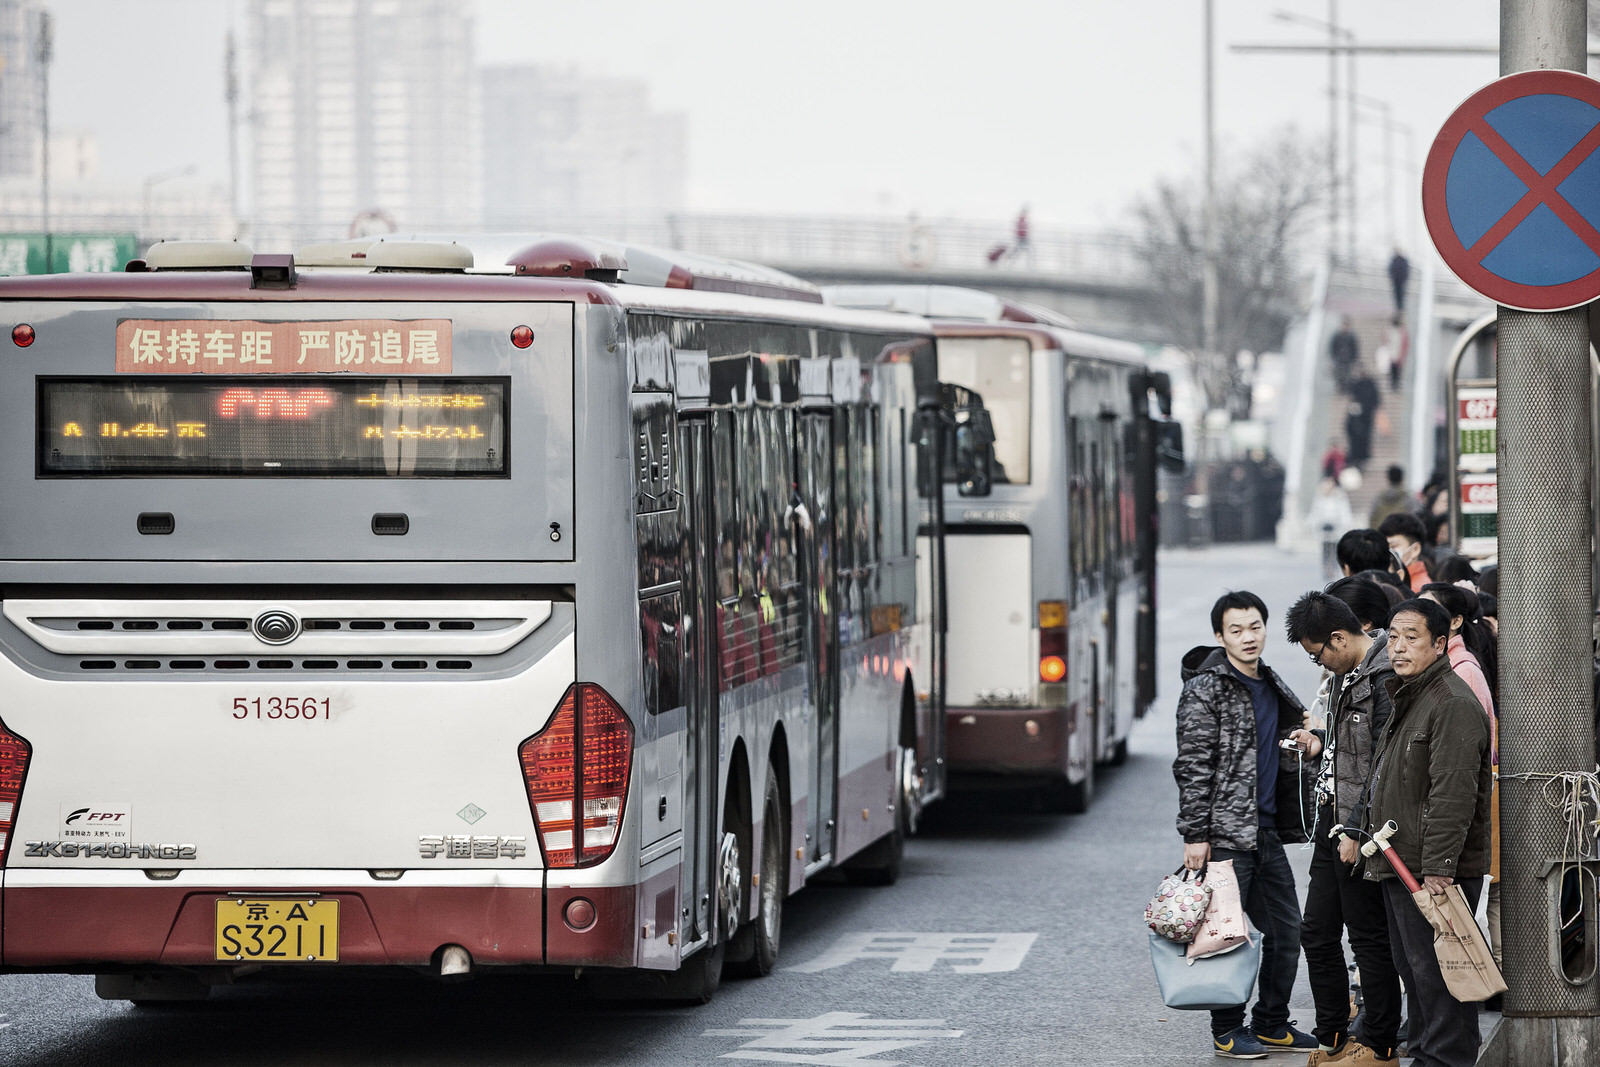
(1339, 898)
(1238, 800)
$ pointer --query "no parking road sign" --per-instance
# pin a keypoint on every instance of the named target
(1511, 190)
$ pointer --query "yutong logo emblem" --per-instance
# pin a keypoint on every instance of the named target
(276, 627)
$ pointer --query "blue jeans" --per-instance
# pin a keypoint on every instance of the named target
(1266, 888)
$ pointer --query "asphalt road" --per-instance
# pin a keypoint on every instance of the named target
(1013, 937)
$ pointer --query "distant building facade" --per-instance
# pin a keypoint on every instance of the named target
(563, 147)
(362, 106)
(21, 88)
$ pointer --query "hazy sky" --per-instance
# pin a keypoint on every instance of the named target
(1071, 106)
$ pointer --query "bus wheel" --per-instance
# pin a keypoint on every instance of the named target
(1119, 753)
(771, 888)
(730, 885)
(1068, 797)
(697, 980)
(910, 793)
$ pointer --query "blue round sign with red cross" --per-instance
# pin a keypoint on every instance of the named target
(1511, 190)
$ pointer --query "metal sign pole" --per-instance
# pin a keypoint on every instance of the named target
(1546, 612)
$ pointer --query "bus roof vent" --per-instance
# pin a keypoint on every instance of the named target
(351, 253)
(437, 256)
(569, 257)
(681, 270)
(199, 255)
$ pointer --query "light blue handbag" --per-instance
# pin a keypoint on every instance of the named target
(1208, 983)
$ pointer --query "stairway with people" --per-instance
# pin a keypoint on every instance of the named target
(1363, 382)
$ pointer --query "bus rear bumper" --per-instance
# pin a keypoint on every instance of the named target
(1028, 742)
(77, 927)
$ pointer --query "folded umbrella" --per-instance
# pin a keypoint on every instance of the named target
(1465, 961)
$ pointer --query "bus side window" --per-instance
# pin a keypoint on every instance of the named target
(787, 532)
(727, 520)
(658, 623)
(864, 476)
(843, 492)
(1075, 526)
(747, 449)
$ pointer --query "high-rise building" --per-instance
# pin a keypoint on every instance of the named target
(561, 148)
(21, 88)
(361, 106)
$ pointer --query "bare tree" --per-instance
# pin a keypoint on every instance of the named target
(1266, 200)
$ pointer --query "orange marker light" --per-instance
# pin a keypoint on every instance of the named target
(1052, 669)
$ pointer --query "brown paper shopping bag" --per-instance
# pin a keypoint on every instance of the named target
(1464, 958)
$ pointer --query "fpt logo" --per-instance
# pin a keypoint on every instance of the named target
(103, 822)
(89, 815)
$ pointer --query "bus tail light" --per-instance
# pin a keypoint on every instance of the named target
(14, 754)
(1052, 641)
(577, 773)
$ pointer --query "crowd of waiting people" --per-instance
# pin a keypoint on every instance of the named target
(1406, 640)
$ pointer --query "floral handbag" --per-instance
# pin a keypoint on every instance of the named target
(1179, 906)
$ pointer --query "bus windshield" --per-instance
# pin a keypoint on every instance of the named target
(997, 368)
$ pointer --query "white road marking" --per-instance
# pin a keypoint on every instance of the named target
(968, 953)
(851, 1036)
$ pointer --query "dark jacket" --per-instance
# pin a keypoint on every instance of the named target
(1216, 764)
(1360, 709)
(1433, 778)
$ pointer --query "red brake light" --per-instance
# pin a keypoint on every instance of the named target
(22, 335)
(1052, 653)
(579, 763)
(14, 753)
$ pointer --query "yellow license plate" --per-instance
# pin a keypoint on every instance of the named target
(278, 930)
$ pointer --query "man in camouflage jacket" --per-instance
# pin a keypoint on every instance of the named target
(1240, 798)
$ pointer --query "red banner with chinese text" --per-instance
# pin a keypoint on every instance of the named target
(217, 346)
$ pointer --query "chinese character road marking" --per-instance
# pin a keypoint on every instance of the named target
(850, 1035)
(970, 953)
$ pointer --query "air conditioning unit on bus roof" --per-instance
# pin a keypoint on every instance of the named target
(198, 255)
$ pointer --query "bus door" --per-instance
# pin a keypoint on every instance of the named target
(701, 789)
(815, 473)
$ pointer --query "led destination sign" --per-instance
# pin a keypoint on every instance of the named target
(256, 427)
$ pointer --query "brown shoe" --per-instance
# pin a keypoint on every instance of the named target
(1323, 1056)
(1355, 1052)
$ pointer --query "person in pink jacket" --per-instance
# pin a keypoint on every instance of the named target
(1462, 604)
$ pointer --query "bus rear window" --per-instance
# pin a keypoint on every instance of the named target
(250, 427)
(997, 369)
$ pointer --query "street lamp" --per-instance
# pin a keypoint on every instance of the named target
(1335, 31)
(149, 184)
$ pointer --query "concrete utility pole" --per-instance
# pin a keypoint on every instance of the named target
(1333, 130)
(230, 93)
(1208, 270)
(1546, 608)
(45, 53)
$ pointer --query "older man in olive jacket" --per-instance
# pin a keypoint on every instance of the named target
(1432, 778)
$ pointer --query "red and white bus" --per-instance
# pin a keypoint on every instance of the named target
(562, 615)
(1050, 498)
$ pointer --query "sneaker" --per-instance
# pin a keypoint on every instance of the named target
(1356, 1052)
(1238, 1044)
(1289, 1040)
